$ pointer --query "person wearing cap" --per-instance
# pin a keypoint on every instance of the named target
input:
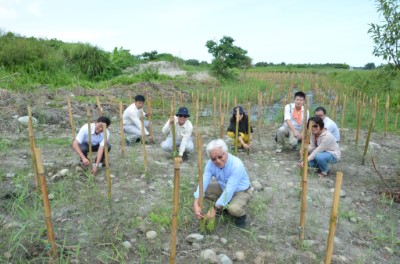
(81, 145)
(244, 137)
(183, 133)
(292, 123)
(131, 121)
(226, 183)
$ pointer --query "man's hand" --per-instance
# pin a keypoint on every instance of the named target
(148, 114)
(179, 159)
(150, 138)
(85, 161)
(94, 170)
(197, 209)
(211, 214)
(296, 134)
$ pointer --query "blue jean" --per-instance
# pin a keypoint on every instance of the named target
(322, 161)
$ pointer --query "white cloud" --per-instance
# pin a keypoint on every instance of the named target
(7, 13)
(34, 8)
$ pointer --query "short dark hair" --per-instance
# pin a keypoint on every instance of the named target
(300, 94)
(140, 98)
(104, 119)
(320, 108)
(317, 120)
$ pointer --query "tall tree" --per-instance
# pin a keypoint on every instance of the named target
(227, 56)
(386, 36)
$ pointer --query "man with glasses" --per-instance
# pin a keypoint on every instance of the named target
(183, 134)
(329, 124)
(230, 189)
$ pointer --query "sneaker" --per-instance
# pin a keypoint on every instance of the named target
(240, 221)
(323, 173)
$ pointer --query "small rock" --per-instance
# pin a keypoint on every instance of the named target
(55, 176)
(63, 172)
(194, 238)
(50, 196)
(78, 169)
(240, 256)
(289, 184)
(23, 120)
(342, 192)
(10, 175)
(215, 237)
(142, 192)
(353, 219)
(223, 241)
(310, 242)
(127, 244)
(256, 185)
(116, 200)
(15, 116)
(340, 259)
(12, 225)
(151, 234)
(209, 255)
(112, 176)
(163, 230)
(24, 156)
(196, 246)
(223, 259)
(7, 255)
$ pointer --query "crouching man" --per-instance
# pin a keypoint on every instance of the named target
(81, 144)
(230, 188)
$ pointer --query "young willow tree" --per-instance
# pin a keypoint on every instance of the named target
(387, 35)
(227, 56)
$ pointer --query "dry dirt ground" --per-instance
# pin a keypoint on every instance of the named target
(88, 231)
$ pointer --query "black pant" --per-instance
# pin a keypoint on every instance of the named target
(85, 149)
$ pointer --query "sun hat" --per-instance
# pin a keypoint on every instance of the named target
(183, 111)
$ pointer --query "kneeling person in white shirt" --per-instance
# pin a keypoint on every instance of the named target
(183, 133)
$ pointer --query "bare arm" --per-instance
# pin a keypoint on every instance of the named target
(77, 149)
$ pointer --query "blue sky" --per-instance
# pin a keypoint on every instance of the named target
(306, 31)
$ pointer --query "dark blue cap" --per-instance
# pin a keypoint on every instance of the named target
(183, 111)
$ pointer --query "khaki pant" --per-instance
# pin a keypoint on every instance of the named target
(284, 132)
(237, 204)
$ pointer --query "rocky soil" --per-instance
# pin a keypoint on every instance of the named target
(137, 227)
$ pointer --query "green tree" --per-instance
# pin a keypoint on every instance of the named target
(227, 56)
(387, 35)
(151, 56)
(370, 66)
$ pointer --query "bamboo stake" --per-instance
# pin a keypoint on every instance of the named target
(215, 115)
(369, 136)
(89, 123)
(358, 122)
(237, 131)
(173, 132)
(221, 126)
(71, 121)
(342, 121)
(197, 117)
(150, 114)
(32, 145)
(121, 126)
(397, 117)
(234, 100)
(200, 172)
(249, 125)
(335, 107)
(304, 130)
(333, 219)
(108, 175)
(143, 142)
(386, 115)
(304, 182)
(99, 106)
(174, 227)
(46, 202)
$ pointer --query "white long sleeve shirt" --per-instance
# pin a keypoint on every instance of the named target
(131, 116)
(182, 133)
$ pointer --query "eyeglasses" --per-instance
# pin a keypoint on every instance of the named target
(182, 116)
(218, 157)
